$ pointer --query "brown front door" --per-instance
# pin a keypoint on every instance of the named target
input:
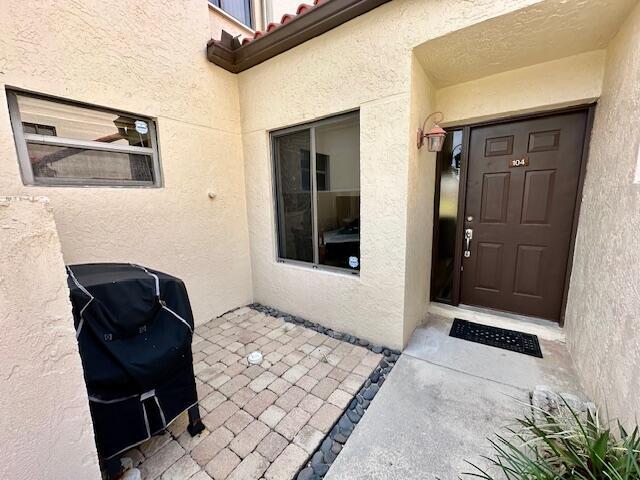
(522, 184)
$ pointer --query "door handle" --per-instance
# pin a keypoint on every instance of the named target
(468, 235)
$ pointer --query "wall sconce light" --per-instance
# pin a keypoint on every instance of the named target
(435, 136)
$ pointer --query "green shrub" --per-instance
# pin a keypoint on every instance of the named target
(563, 445)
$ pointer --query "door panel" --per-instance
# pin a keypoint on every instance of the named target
(489, 266)
(538, 193)
(521, 216)
(495, 197)
(528, 276)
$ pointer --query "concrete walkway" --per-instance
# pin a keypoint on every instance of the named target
(442, 400)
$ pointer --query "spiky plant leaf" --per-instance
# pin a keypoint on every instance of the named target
(566, 445)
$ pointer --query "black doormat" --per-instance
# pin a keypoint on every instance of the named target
(496, 337)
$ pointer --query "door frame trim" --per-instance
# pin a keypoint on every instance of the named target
(590, 109)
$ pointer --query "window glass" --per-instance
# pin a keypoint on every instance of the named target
(238, 9)
(449, 168)
(61, 143)
(319, 222)
(51, 162)
(338, 180)
(39, 129)
(295, 226)
(45, 117)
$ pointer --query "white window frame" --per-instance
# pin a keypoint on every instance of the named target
(26, 170)
(311, 127)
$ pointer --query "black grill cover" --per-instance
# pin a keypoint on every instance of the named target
(134, 328)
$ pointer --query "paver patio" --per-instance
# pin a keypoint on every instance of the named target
(262, 421)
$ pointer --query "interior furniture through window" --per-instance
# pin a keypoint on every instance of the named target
(64, 143)
(317, 190)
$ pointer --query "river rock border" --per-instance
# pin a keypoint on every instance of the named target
(329, 449)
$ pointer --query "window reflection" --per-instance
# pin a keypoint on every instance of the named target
(72, 144)
(46, 117)
(319, 217)
(294, 196)
(449, 168)
(50, 161)
(338, 181)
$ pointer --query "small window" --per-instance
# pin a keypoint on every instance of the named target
(39, 129)
(317, 176)
(238, 9)
(61, 143)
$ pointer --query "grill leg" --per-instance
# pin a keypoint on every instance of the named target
(113, 468)
(195, 424)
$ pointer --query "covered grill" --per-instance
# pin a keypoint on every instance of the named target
(134, 328)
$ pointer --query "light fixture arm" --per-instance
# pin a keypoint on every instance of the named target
(435, 130)
(435, 122)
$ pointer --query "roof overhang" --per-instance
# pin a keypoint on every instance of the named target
(229, 54)
(539, 33)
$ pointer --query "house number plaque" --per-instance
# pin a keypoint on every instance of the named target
(519, 162)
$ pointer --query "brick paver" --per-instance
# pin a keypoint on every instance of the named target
(311, 403)
(272, 416)
(238, 421)
(340, 398)
(287, 463)
(222, 464)
(253, 466)
(308, 438)
(210, 446)
(325, 417)
(291, 398)
(291, 424)
(220, 414)
(249, 438)
(260, 402)
(272, 445)
(262, 421)
(325, 388)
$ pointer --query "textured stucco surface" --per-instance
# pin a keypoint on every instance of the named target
(603, 311)
(420, 198)
(368, 64)
(146, 57)
(370, 305)
(554, 84)
(544, 31)
(45, 426)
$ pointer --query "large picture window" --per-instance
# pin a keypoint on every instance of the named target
(62, 143)
(317, 186)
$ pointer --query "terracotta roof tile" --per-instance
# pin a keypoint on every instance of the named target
(286, 18)
(303, 7)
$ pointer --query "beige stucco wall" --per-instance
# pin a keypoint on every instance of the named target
(420, 199)
(146, 57)
(45, 426)
(366, 65)
(566, 81)
(603, 312)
